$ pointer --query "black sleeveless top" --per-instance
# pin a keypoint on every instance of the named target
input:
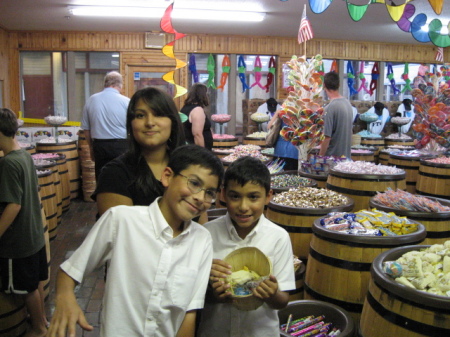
(207, 134)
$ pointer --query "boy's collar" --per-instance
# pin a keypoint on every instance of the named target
(233, 232)
(161, 225)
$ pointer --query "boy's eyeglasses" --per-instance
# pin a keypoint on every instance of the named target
(195, 187)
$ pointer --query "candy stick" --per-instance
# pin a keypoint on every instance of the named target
(313, 327)
(288, 323)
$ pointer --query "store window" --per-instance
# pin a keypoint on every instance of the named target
(58, 83)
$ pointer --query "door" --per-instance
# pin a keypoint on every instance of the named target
(140, 77)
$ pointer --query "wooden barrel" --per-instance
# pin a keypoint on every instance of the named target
(320, 179)
(377, 142)
(403, 142)
(225, 143)
(45, 284)
(411, 167)
(338, 269)
(72, 160)
(361, 187)
(364, 156)
(47, 192)
(88, 179)
(222, 152)
(31, 149)
(298, 222)
(392, 309)
(63, 172)
(383, 157)
(254, 141)
(433, 179)
(308, 182)
(356, 139)
(297, 293)
(437, 224)
(13, 315)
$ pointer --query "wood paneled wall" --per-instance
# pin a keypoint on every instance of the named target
(4, 63)
(131, 47)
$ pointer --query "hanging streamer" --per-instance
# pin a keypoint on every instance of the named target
(271, 74)
(319, 6)
(334, 67)
(225, 72)
(242, 67)
(167, 50)
(357, 12)
(404, 23)
(390, 76)
(211, 68)
(361, 76)
(396, 12)
(374, 81)
(351, 79)
(405, 76)
(437, 5)
(257, 73)
(193, 68)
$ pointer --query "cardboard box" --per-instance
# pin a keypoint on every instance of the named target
(68, 132)
(39, 133)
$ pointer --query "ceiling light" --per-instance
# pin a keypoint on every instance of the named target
(178, 13)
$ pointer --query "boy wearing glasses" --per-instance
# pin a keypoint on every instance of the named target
(246, 190)
(158, 259)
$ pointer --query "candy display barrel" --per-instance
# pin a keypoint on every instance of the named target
(72, 160)
(88, 179)
(361, 187)
(13, 315)
(47, 192)
(338, 269)
(377, 142)
(339, 317)
(254, 141)
(225, 143)
(356, 139)
(63, 172)
(222, 152)
(383, 157)
(437, 224)
(278, 188)
(363, 156)
(31, 149)
(392, 309)
(402, 142)
(297, 293)
(433, 179)
(46, 283)
(320, 179)
(298, 222)
(410, 165)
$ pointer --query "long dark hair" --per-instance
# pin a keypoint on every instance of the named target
(162, 105)
(198, 95)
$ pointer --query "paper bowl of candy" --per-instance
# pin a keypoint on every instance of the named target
(249, 267)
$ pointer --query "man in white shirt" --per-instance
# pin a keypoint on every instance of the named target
(270, 107)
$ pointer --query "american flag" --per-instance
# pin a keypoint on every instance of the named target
(305, 32)
(440, 54)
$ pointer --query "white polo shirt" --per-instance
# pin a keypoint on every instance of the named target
(225, 320)
(378, 126)
(153, 278)
(406, 113)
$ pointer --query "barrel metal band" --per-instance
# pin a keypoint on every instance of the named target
(352, 307)
(343, 264)
(351, 191)
(438, 235)
(357, 178)
(432, 175)
(295, 229)
(295, 291)
(405, 322)
(430, 194)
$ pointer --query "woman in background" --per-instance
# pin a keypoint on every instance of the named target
(198, 126)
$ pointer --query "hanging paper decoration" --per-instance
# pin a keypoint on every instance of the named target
(361, 76)
(271, 73)
(356, 12)
(193, 68)
(434, 32)
(390, 76)
(405, 76)
(351, 79)
(404, 23)
(211, 68)
(319, 6)
(242, 68)
(419, 21)
(396, 11)
(166, 26)
(437, 5)
(375, 75)
(225, 72)
(334, 67)
(257, 72)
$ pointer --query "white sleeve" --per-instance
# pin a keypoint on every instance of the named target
(283, 264)
(262, 108)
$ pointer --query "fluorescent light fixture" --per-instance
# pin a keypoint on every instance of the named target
(178, 13)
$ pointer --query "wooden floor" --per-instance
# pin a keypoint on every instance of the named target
(75, 224)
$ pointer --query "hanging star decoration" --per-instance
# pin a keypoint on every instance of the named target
(271, 73)
(374, 81)
(225, 72)
(193, 68)
(167, 50)
(405, 77)
(391, 78)
(351, 79)
(363, 85)
(257, 73)
(211, 68)
(421, 28)
(242, 68)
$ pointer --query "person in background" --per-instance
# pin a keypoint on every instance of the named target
(159, 259)
(269, 107)
(155, 131)
(104, 122)
(383, 117)
(246, 191)
(338, 122)
(198, 126)
(23, 259)
(405, 109)
(284, 149)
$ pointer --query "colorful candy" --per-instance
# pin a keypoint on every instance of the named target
(365, 167)
(404, 200)
(310, 197)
